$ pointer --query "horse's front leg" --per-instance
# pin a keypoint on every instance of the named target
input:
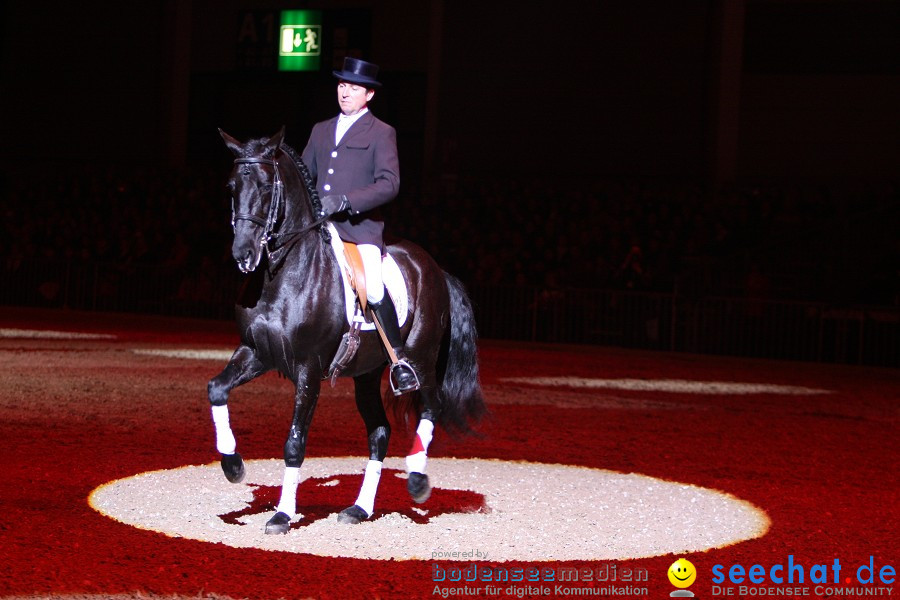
(242, 368)
(371, 408)
(305, 398)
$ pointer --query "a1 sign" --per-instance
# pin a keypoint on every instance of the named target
(256, 39)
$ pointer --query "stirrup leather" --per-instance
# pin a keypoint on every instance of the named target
(393, 344)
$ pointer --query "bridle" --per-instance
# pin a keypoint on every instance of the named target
(275, 206)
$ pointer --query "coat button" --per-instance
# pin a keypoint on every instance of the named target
(326, 187)
(331, 171)
(334, 154)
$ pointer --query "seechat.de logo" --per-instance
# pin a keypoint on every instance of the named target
(682, 574)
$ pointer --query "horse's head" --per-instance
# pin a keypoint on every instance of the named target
(257, 196)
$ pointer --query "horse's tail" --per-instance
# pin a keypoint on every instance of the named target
(461, 398)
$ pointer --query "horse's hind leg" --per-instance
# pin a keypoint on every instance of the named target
(368, 402)
(418, 485)
(242, 368)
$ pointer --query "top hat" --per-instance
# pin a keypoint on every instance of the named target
(360, 72)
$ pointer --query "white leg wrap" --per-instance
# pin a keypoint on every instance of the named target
(288, 502)
(366, 498)
(225, 442)
(418, 456)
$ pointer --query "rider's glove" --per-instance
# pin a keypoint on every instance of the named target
(334, 203)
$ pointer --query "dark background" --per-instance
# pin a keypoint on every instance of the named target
(748, 149)
(694, 89)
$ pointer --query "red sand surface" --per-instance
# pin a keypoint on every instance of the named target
(77, 414)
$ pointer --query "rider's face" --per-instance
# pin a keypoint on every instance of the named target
(352, 98)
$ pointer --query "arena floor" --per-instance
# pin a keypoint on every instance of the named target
(611, 461)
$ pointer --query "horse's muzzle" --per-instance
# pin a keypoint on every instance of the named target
(247, 247)
(247, 259)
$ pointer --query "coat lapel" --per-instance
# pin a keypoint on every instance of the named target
(331, 131)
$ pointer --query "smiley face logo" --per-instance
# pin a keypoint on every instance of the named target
(682, 573)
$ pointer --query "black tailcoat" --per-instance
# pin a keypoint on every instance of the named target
(364, 166)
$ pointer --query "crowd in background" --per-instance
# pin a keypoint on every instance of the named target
(805, 241)
(797, 241)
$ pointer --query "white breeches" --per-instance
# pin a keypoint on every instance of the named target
(371, 257)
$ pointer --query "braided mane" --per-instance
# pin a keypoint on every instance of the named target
(311, 190)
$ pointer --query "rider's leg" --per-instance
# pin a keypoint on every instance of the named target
(402, 375)
(371, 257)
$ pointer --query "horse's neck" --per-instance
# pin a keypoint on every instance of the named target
(307, 263)
(298, 212)
(298, 215)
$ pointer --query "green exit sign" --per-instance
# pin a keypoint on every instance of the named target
(300, 40)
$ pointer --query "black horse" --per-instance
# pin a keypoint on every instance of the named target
(291, 315)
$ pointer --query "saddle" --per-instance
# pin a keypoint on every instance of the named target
(359, 315)
(356, 273)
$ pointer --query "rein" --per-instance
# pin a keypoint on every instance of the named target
(268, 224)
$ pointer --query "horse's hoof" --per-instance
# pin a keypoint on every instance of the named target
(233, 467)
(418, 487)
(352, 515)
(279, 523)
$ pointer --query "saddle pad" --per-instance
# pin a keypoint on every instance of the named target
(394, 283)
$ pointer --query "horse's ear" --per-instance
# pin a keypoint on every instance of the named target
(233, 144)
(275, 141)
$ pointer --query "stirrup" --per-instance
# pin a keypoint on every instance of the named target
(401, 363)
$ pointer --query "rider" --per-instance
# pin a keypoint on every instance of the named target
(353, 158)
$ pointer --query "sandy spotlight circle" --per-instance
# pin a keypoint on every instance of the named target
(530, 512)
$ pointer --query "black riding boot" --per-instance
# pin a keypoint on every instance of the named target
(403, 377)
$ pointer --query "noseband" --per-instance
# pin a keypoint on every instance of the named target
(268, 224)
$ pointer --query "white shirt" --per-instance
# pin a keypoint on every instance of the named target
(344, 123)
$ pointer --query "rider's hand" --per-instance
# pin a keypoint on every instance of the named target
(334, 203)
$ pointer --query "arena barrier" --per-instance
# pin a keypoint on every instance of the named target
(783, 330)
